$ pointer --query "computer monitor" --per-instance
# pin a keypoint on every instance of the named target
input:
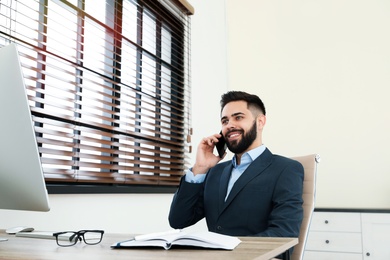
(22, 185)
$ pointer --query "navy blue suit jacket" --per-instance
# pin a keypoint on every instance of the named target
(266, 200)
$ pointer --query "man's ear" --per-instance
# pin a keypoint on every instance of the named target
(261, 120)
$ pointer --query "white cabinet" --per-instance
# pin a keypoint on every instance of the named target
(348, 236)
(335, 242)
(336, 221)
(330, 256)
(334, 235)
(376, 236)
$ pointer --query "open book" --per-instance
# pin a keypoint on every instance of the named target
(204, 239)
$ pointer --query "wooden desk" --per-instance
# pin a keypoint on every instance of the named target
(259, 248)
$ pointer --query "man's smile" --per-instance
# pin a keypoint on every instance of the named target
(233, 135)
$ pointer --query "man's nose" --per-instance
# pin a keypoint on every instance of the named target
(230, 125)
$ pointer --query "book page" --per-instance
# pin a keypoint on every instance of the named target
(208, 239)
(157, 235)
(155, 242)
(204, 239)
(160, 239)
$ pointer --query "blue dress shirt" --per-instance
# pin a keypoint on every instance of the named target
(246, 159)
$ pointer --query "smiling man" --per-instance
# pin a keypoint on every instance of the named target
(257, 193)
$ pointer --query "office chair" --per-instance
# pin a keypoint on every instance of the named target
(309, 163)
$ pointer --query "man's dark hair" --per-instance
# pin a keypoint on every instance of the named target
(252, 100)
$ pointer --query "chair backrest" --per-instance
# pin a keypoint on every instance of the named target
(309, 163)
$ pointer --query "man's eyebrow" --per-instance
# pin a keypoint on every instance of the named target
(233, 115)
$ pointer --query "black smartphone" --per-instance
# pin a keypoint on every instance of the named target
(221, 146)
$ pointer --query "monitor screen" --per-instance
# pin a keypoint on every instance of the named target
(22, 185)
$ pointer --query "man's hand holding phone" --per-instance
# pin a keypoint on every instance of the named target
(205, 158)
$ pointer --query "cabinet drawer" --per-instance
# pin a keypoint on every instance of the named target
(334, 242)
(311, 255)
(336, 221)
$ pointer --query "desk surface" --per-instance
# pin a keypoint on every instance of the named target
(259, 248)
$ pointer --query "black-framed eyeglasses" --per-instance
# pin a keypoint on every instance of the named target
(70, 238)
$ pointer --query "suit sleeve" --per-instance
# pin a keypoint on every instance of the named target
(287, 211)
(187, 205)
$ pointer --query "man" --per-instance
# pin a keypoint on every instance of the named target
(257, 193)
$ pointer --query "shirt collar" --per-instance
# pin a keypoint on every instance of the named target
(249, 156)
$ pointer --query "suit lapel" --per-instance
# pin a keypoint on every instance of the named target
(223, 184)
(254, 169)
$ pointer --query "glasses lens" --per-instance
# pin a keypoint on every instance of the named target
(92, 237)
(67, 238)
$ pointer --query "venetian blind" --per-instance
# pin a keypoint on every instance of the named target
(108, 83)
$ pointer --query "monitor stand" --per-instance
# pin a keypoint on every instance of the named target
(3, 239)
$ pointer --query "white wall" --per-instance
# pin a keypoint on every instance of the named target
(140, 213)
(322, 68)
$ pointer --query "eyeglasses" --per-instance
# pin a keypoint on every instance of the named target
(70, 238)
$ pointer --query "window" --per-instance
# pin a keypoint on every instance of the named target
(109, 89)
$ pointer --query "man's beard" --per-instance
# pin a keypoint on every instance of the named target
(239, 147)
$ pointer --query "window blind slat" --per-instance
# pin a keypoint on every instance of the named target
(108, 85)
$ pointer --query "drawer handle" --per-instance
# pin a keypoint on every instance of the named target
(368, 254)
(327, 241)
(326, 222)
